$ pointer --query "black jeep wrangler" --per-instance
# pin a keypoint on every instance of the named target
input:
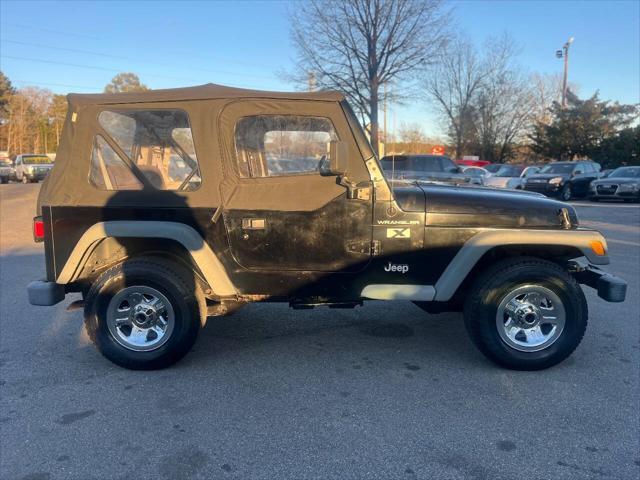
(166, 207)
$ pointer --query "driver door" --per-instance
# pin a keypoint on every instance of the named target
(281, 213)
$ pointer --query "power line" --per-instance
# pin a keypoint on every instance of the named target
(39, 83)
(106, 55)
(91, 67)
(177, 52)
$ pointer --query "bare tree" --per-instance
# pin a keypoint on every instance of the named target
(356, 46)
(505, 102)
(453, 85)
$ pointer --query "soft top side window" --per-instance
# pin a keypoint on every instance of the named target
(282, 145)
(108, 170)
(158, 142)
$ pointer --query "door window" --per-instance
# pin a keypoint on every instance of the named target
(281, 145)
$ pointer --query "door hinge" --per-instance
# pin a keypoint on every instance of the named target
(363, 247)
(375, 247)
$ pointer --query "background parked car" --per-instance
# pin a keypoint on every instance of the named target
(430, 168)
(564, 179)
(32, 167)
(622, 184)
(7, 170)
(477, 174)
(510, 176)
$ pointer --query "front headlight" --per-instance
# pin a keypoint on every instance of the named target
(556, 181)
(592, 187)
(628, 187)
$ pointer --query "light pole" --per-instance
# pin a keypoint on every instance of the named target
(564, 53)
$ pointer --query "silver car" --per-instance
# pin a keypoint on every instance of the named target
(510, 176)
(621, 184)
(7, 171)
(32, 168)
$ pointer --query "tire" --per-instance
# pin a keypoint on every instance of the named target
(144, 282)
(525, 274)
(566, 194)
(25, 180)
(4, 180)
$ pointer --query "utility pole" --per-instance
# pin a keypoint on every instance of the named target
(386, 133)
(311, 81)
(564, 53)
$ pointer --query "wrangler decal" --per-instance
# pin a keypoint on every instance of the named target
(398, 233)
(398, 222)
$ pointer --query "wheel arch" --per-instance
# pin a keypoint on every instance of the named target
(489, 246)
(144, 237)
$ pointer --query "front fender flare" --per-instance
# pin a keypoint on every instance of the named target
(202, 255)
(482, 242)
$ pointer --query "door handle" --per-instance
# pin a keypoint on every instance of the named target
(253, 223)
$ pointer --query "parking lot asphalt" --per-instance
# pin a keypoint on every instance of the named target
(383, 391)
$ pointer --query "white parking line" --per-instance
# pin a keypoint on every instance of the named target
(605, 205)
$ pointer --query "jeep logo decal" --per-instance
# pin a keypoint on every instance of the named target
(402, 268)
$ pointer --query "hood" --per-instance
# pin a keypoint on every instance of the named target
(501, 182)
(547, 176)
(409, 196)
(39, 165)
(410, 175)
(486, 207)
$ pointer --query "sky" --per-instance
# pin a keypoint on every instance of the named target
(78, 46)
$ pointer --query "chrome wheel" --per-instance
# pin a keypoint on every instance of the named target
(140, 318)
(530, 318)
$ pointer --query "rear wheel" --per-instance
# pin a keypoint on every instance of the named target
(526, 314)
(144, 313)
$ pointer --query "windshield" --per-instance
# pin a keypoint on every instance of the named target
(625, 172)
(509, 171)
(493, 168)
(557, 168)
(422, 163)
(34, 159)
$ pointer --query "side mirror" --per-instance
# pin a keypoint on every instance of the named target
(338, 155)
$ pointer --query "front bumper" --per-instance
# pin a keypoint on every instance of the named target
(609, 287)
(548, 189)
(43, 293)
(624, 195)
(39, 176)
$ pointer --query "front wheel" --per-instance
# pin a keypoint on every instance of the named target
(526, 314)
(145, 313)
(566, 194)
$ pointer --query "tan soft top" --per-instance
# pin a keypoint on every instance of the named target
(200, 92)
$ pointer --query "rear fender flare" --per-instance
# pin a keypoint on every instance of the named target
(212, 269)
